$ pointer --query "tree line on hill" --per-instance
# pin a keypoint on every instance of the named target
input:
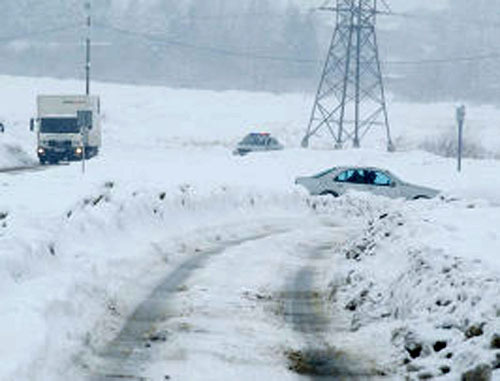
(258, 45)
(217, 44)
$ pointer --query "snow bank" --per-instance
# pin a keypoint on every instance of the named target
(12, 155)
(71, 286)
(420, 279)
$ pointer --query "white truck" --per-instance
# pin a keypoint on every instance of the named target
(61, 135)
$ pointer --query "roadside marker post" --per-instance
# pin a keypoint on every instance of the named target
(84, 123)
(460, 121)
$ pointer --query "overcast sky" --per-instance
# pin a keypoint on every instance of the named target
(404, 5)
(396, 5)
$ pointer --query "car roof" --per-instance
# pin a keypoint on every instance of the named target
(258, 138)
(346, 168)
(259, 134)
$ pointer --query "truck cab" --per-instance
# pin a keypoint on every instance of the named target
(61, 135)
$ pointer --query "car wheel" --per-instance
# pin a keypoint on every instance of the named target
(329, 193)
(421, 197)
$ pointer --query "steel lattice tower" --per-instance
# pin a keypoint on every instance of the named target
(350, 100)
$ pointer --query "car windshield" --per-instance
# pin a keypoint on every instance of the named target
(381, 179)
(59, 125)
(321, 174)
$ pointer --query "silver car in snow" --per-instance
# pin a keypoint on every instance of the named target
(257, 142)
(339, 180)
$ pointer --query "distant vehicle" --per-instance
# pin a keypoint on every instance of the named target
(339, 180)
(59, 135)
(257, 142)
(2, 127)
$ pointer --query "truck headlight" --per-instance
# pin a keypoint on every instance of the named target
(40, 150)
(79, 150)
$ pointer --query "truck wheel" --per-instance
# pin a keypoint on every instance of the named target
(90, 152)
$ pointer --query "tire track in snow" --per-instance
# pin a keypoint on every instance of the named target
(124, 357)
(306, 312)
(27, 169)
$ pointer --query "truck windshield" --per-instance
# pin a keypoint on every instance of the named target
(59, 126)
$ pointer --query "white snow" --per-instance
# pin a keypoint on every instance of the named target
(79, 252)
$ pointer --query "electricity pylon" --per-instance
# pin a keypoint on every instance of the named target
(350, 100)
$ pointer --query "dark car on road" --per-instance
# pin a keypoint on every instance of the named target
(257, 142)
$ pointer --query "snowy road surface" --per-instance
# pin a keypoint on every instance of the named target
(126, 355)
(236, 311)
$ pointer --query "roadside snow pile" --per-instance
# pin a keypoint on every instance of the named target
(12, 155)
(17, 143)
(432, 127)
(72, 283)
(437, 309)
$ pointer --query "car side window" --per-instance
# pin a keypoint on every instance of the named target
(354, 176)
(382, 179)
(370, 177)
(357, 177)
(344, 176)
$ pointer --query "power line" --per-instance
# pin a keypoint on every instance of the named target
(37, 33)
(208, 49)
(472, 58)
(444, 19)
(252, 55)
(233, 16)
(240, 15)
(259, 56)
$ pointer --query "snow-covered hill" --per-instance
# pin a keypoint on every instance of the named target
(78, 252)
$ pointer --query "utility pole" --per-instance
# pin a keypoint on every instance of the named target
(84, 118)
(350, 100)
(88, 9)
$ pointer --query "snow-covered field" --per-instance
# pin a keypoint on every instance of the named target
(78, 253)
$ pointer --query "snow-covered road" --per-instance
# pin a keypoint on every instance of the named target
(126, 356)
(240, 309)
